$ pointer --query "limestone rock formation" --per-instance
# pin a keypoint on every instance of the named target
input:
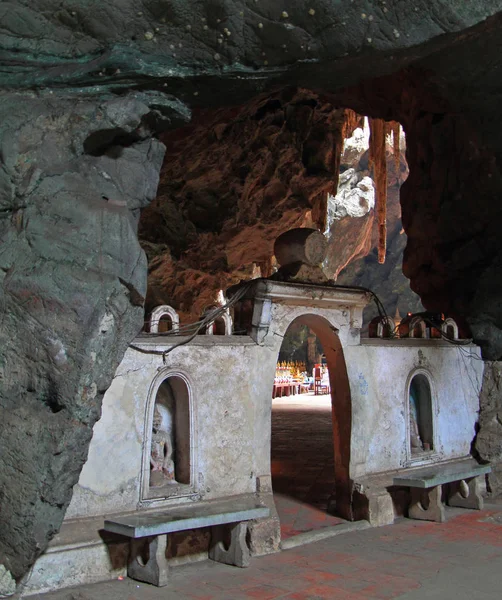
(350, 212)
(233, 180)
(387, 280)
(75, 172)
(489, 438)
(72, 273)
(354, 198)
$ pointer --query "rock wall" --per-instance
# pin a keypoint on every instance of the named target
(234, 179)
(453, 251)
(488, 446)
(75, 173)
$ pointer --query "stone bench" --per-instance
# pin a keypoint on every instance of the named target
(148, 532)
(426, 483)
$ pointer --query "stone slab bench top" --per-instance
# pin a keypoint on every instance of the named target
(191, 516)
(430, 476)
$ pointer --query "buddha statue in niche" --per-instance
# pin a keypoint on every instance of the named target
(161, 461)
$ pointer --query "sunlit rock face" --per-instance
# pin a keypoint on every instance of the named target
(232, 181)
(355, 197)
(351, 211)
(73, 275)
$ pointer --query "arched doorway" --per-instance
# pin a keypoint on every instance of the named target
(311, 429)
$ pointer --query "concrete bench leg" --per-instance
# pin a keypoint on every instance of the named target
(466, 494)
(237, 553)
(147, 560)
(380, 508)
(420, 498)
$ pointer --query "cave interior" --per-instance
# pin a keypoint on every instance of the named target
(151, 153)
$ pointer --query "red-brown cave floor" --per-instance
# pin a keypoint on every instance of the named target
(303, 462)
(410, 560)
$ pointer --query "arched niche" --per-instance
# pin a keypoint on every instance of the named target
(169, 444)
(449, 328)
(418, 328)
(222, 325)
(385, 328)
(420, 411)
(381, 327)
(341, 407)
(164, 318)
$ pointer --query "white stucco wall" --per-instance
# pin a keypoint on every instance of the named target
(231, 378)
(379, 374)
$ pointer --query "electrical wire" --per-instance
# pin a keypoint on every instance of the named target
(382, 313)
(394, 334)
(192, 329)
(465, 342)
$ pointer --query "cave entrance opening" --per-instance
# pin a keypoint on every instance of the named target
(311, 429)
(232, 179)
(364, 227)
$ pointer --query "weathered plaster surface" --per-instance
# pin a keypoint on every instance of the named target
(230, 380)
(379, 375)
(226, 394)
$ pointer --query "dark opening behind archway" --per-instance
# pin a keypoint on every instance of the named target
(219, 327)
(165, 324)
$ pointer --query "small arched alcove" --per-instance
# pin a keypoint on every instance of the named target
(217, 327)
(418, 328)
(222, 325)
(381, 327)
(449, 329)
(327, 414)
(168, 450)
(420, 406)
(165, 324)
(163, 319)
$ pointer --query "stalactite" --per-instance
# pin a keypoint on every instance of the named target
(267, 266)
(394, 128)
(320, 205)
(352, 120)
(378, 162)
(342, 126)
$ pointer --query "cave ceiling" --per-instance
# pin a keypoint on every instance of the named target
(246, 47)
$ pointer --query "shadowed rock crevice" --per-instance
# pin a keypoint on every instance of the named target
(99, 142)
